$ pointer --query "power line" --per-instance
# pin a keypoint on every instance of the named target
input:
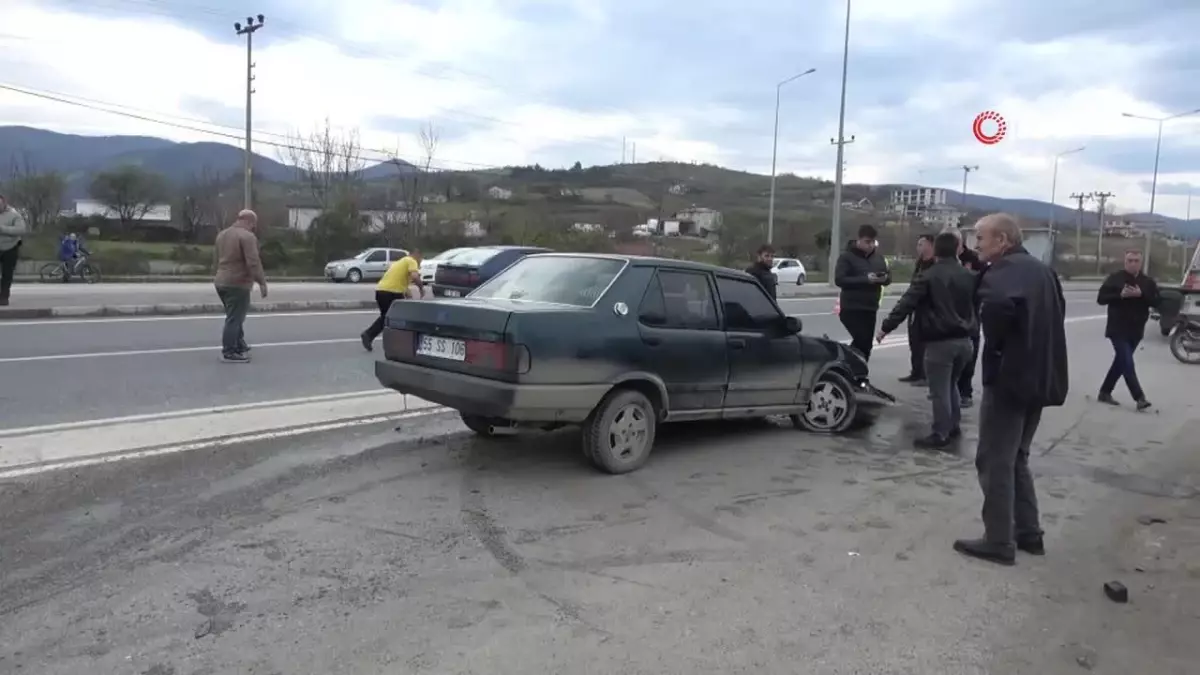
(383, 155)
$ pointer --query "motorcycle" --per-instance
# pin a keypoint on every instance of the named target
(1185, 341)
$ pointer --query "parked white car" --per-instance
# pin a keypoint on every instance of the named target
(789, 271)
(430, 266)
(368, 265)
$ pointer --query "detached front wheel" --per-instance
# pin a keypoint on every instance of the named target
(1185, 345)
(619, 435)
(832, 406)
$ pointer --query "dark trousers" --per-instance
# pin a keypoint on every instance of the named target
(944, 363)
(916, 351)
(966, 388)
(1006, 429)
(236, 300)
(1122, 366)
(8, 267)
(860, 323)
(384, 299)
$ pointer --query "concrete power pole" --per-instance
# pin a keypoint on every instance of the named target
(1102, 198)
(248, 30)
(966, 172)
(1079, 199)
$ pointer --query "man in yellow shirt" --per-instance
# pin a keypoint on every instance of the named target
(402, 280)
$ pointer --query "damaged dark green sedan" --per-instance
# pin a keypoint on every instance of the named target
(619, 345)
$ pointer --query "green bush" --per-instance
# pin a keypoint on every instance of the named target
(123, 262)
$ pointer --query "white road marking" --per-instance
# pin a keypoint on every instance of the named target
(182, 317)
(36, 449)
(170, 350)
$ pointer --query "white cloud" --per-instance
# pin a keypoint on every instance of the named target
(401, 64)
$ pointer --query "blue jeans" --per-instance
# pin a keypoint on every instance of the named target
(1122, 366)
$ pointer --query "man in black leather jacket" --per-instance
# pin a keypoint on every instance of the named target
(941, 301)
(1024, 364)
(861, 273)
(761, 269)
(1128, 296)
(916, 350)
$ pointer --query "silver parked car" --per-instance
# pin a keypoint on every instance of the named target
(367, 265)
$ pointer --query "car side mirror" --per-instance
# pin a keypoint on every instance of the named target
(792, 325)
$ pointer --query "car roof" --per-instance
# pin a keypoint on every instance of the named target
(652, 261)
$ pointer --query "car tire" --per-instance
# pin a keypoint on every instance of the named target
(354, 276)
(832, 406)
(480, 425)
(619, 434)
(800, 280)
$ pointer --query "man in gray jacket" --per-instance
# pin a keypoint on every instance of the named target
(12, 228)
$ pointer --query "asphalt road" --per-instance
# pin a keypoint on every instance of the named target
(54, 371)
(738, 549)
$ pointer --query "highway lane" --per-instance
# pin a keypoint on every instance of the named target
(56, 371)
(412, 546)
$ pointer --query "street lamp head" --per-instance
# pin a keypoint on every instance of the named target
(237, 26)
(260, 19)
(249, 21)
(810, 71)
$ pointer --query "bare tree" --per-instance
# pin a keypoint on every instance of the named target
(200, 204)
(328, 164)
(37, 194)
(129, 192)
(413, 181)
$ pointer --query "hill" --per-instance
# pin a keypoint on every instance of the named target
(606, 194)
(79, 158)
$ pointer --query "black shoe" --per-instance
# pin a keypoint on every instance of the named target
(1142, 405)
(1033, 545)
(911, 378)
(1107, 398)
(919, 382)
(931, 442)
(366, 342)
(3, 302)
(235, 358)
(956, 432)
(244, 349)
(1001, 554)
(965, 402)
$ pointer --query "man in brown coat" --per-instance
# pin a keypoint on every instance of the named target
(238, 269)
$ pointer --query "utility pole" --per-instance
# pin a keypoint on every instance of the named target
(623, 149)
(634, 160)
(248, 30)
(835, 229)
(966, 172)
(1102, 198)
(1079, 199)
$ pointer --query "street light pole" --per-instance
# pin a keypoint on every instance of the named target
(775, 153)
(1054, 182)
(248, 30)
(835, 229)
(1158, 145)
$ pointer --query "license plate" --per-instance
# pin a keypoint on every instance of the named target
(452, 294)
(442, 348)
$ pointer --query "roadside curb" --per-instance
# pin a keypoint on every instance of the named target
(168, 279)
(176, 309)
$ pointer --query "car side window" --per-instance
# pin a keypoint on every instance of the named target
(377, 256)
(396, 254)
(688, 300)
(653, 310)
(746, 305)
(788, 263)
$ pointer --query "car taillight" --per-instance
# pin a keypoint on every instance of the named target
(472, 278)
(498, 356)
(1192, 282)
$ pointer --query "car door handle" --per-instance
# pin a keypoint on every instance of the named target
(652, 341)
(737, 343)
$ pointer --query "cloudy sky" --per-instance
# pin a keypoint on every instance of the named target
(555, 81)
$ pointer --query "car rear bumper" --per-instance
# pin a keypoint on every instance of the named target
(564, 403)
(443, 291)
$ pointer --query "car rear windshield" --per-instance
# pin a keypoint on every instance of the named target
(475, 256)
(562, 280)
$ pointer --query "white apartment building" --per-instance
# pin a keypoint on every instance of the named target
(927, 205)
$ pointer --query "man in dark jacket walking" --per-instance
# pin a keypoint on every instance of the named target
(861, 273)
(1129, 295)
(764, 258)
(916, 349)
(966, 382)
(941, 302)
(1024, 364)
